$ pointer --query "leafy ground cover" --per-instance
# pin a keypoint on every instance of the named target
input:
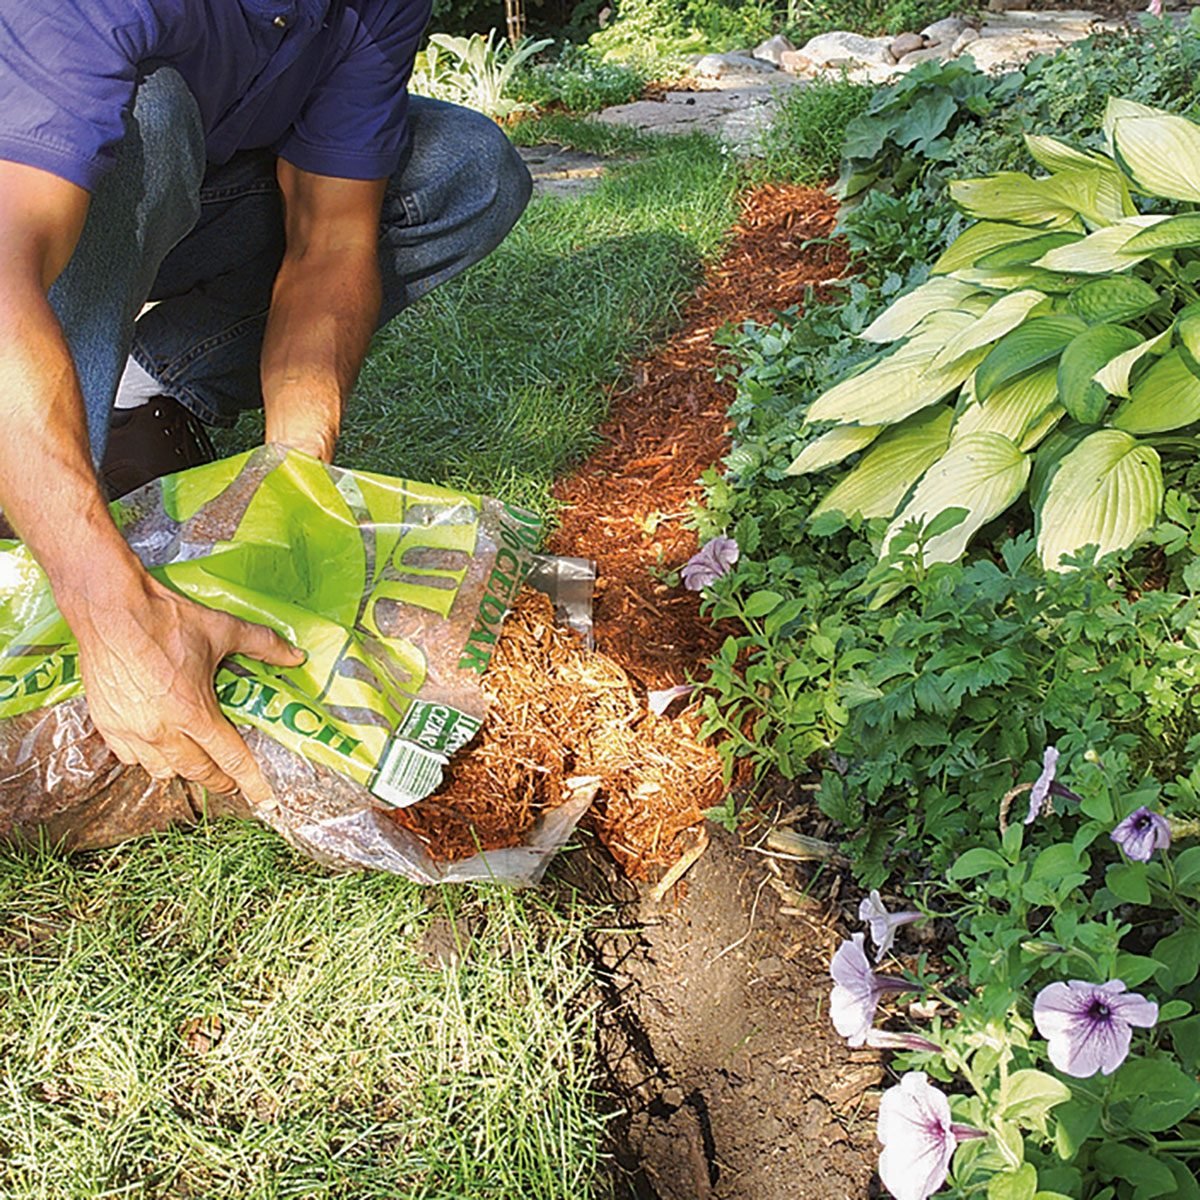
(1008, 748)
(207, 1014)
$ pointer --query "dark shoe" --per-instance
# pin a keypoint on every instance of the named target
(145, 443)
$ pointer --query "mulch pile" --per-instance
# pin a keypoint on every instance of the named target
(560, 712)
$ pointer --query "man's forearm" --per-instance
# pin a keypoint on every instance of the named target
(323, 314)
(48, 488)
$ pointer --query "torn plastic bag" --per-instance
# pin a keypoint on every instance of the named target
(395, 590)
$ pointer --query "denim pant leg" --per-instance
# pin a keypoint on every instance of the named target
(460, 191)
(140, 209)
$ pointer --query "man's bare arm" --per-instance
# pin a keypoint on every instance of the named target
(324, 306)
(146, 654)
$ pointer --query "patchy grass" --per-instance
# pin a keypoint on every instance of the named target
(208, 1015)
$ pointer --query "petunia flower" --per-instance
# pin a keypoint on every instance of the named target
(1041, 789)
(1155, 8)
(714, 559)
(886, 1039)
(1141, 833)
(857, 990)
(883, 924)
(1087, 1026)
(918, 1137)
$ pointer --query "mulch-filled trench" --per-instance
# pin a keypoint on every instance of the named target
(728, 1081)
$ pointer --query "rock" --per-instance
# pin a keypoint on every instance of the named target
(773, 49)
(829, 49)
(944, 31)
(929, 54)
(906, 43)
(1004, 5)
(963, 40)
(717, 66)
(795, 63)
(1004, 51)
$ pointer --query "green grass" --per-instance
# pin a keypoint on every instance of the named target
(804, 143)
(496, 381)
(353, 1061)
(351, 1064)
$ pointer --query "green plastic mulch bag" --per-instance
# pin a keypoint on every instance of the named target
(395, 590)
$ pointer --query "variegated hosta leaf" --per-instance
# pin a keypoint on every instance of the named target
(1098, 196)
(1105, 492)
(1174, 233)
(1042, 427)
(1113, 298)
(905, 314)
(889, 469)
(1017, 197)
(981, 472)
(981, 239)
(1160, 152)
(1012, 409)
(1114, 378)
(1036, 341)
(1004, 315)
(832, 447)
(1166, 397)
(1086, 354)
(1100, 252)
(1012, 279)
(1054, 155)
(900, 384)
(1021, 254)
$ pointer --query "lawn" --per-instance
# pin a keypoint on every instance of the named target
(209, 1015)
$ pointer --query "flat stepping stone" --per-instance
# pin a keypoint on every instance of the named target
(558, 171)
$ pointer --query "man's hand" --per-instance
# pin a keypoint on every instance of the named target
(148, 662)
(324, 306)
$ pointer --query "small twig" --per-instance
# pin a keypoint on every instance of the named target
(681, 868)
(1006, 803)
(807, 849)
(749, 928)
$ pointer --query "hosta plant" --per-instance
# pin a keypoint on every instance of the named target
(474, 71)
(1056, 342)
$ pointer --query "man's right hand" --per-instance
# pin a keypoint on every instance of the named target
(148, 657)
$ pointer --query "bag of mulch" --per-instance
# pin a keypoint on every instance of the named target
(395, 590)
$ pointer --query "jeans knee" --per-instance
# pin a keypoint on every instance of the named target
(169, 135)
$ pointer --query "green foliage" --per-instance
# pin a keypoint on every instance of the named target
(807, 18)
(579, 81)
(474, 71)
(804, 142)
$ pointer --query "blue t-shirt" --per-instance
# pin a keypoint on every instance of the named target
(319, 82)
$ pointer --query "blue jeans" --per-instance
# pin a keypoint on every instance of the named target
(205, 242)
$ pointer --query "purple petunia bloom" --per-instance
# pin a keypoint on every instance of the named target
(885, 1039)
(1141, 833)
(918, 1138)
(659, 701)
(1155, 8)
(1041, 789)
(883, 924)
(708, 564)
(857, 990)
(1087, 1026)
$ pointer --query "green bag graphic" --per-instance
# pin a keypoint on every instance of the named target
(395, 590)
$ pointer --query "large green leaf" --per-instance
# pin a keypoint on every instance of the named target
(832, 447)
(1100, 252)
(1004, 315)
(1086, 354)
(1166, 397)
(1054, 155)
(1172, 234)
(981, 239)
(900, 384)
(905, 314)
(1019, 254)
(1106, 492)
(1187, 337)
(1036, 341)
(1012, 409)
(1041, 427)
(1160, 152)
(1012, 279)
(1114, 378)
(1113, 298)
(1014, 196)
(889, 469)
(981, 472)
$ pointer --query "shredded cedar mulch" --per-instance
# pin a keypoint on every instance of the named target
(560, 712)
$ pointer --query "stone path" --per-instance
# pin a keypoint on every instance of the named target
(734, 96)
